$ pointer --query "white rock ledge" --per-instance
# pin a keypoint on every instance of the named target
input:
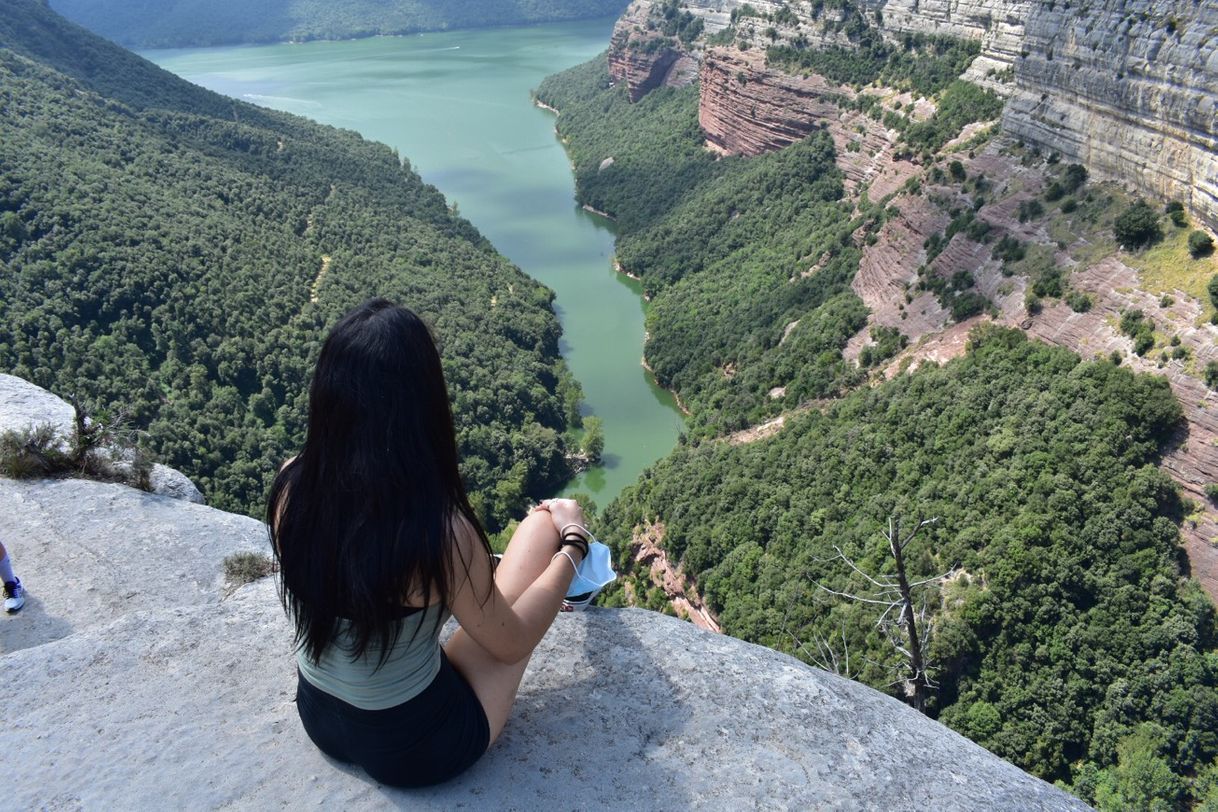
(153, 690)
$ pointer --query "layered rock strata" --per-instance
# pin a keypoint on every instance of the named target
(1129, 89)
(643, 58)
(745, 109)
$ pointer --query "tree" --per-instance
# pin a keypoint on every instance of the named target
(1142, 779)
(904, 619)
(594, 438)
(1137, 226)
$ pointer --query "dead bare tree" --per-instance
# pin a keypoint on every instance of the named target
(903, 618)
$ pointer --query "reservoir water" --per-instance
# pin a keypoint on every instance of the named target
(457, 105)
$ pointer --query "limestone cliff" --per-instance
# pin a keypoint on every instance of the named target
(1130, 89)
(141, 681)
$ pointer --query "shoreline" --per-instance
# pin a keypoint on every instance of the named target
(617, 267)
(598, 212)
(539, 103)
(676, 398)
(408, 32)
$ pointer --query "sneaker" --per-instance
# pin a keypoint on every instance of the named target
(578, 603)
(14, 596)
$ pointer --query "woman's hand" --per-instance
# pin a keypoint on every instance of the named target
(564, 512)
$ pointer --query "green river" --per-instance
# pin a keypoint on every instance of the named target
(457, 105)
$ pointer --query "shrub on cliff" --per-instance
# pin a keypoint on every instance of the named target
(1137, 226)
(33, 454)
(1200, 244)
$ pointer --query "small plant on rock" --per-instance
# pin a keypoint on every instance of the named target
(32, 454)
(245, 568)
(1211, 374)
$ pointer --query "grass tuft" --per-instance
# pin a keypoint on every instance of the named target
(245, 568)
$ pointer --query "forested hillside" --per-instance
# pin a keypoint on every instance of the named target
(1059, 630)
(177, 254)
(1064, 635)
(723, 247)
(184, 23)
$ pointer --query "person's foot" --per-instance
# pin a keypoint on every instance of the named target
(14, 596)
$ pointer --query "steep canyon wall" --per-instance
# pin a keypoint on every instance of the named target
(1127, 87)
(1130, 89)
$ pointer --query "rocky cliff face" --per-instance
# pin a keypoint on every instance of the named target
(1127, 87)
(746, 109)
(131, 643)
(643, 59)
(1130, 89)
(997, 24)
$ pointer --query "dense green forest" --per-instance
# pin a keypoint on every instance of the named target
(724, 249)
(180, 255)
(1066, 631)
(1064, 636)
(186, 23)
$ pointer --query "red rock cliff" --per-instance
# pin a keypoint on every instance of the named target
(746, 110)
(644, 59)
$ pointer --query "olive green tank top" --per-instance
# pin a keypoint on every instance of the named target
(410, 667)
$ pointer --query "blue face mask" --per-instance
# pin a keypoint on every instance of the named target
(594, 571)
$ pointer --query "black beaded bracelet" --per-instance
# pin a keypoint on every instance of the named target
(577, 541)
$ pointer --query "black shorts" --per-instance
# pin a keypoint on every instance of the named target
(425, 740)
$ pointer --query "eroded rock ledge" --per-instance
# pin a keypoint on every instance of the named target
(165, 691)
(1128, 88)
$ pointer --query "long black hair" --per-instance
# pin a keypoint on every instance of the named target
(365, 514)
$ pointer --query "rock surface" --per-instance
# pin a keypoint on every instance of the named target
(24, 406)
(89, 552)
(171, 482)
(1130, 89)
(178, 696)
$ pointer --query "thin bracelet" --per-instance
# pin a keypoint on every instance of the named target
(587, 532)
(567, 556)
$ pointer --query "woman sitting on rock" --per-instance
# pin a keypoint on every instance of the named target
(377, 544)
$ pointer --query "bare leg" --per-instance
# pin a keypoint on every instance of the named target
(527, 556)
